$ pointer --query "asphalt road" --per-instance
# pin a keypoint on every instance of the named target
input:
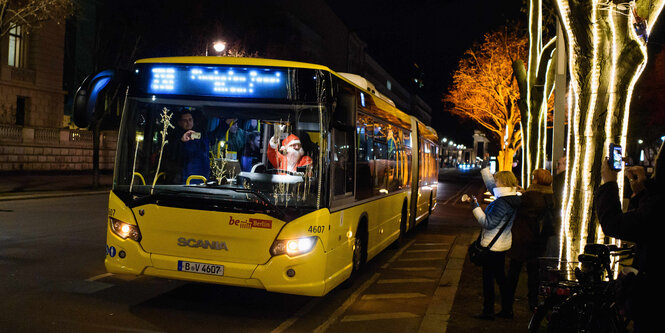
(52, 278)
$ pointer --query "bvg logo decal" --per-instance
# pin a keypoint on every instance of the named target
(251, 223)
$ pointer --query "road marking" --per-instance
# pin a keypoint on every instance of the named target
(107, 327)
(414, 280)
(431, 250)
(421, 259)
(303, 311)
(417, 268)
(100, 276)
(379, 316)
(430, 244)
(458, 193)
(370, 297)
(349, 301)
(397, 254)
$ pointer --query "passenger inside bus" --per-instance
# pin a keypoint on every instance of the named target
(188, 153)
(251, 154)
(234, 137)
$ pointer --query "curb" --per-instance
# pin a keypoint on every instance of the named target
(12, 197)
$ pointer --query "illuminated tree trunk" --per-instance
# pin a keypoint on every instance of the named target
(506, 159)
(536, 83)
(606, 58)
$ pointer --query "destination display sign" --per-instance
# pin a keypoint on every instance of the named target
(222, 81)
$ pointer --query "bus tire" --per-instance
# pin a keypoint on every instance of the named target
(359, 256)
(425, 221)
(403, 228)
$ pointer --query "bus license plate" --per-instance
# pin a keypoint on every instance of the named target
(201, 268)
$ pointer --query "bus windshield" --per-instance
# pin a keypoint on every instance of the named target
(240, 156)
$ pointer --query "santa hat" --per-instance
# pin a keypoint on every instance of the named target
(290, 140)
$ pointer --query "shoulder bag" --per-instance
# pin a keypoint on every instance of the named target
(477, 253)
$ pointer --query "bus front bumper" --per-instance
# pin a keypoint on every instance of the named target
(300, 275)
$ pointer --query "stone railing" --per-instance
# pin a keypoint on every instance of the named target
(28, 148)
(47, 135)
(11, 133)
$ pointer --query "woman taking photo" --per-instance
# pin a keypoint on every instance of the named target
(498, 213)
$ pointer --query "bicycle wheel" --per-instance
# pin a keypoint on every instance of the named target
(546, 317)
(606, 318)
(559, 315)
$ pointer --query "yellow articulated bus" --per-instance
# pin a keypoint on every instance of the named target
(259, 173)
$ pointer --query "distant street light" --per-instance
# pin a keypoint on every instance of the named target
(219, 46)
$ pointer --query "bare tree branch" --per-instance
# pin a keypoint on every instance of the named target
(32, 13)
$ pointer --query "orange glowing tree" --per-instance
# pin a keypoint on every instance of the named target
(485, 91)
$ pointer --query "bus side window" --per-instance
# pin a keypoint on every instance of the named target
(364, 159)
(406, 181)
(343, 158)
(381, 163)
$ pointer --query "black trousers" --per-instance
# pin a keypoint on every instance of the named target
(493, 270)
(514, 269)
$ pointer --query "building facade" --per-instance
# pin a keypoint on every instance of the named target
(33, 132)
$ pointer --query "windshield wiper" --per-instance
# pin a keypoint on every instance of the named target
(256, 193)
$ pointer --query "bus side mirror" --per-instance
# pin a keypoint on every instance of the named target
(85, 108)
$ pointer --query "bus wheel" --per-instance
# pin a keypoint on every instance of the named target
(402, 228)
(359, 256)
(425, 222)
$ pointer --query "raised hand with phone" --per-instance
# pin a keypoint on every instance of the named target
(471, 199)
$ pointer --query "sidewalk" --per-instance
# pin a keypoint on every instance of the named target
(29, 186)
(461, 285)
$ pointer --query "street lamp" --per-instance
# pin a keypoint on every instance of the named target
(219, 46)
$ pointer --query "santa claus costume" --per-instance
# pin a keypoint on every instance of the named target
(293, 156)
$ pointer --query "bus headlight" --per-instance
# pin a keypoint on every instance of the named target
(293, 247)
(125, 230)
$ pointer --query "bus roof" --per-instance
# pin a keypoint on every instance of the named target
(427, 132)
(231, 61)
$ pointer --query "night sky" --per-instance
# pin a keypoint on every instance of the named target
(432, 33)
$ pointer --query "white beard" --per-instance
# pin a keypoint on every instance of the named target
(293, 157)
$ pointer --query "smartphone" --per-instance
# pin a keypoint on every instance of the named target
(196, 135)
(616, 157)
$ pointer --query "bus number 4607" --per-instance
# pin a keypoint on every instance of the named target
(315, 229)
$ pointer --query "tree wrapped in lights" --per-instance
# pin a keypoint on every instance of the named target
(484, 89)
(536, 83)
(606, 43)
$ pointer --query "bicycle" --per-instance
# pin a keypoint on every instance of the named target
(581, 296)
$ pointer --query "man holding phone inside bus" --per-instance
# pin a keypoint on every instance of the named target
(189, 150)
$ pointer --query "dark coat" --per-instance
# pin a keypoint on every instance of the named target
(642, 225)
(528, 242)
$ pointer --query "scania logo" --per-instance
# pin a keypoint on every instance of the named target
(202, 243)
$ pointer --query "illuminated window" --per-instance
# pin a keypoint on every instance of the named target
(16, 44)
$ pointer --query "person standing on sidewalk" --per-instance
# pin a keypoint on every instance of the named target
(499, 212)
(642, 225)
(532, 228)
